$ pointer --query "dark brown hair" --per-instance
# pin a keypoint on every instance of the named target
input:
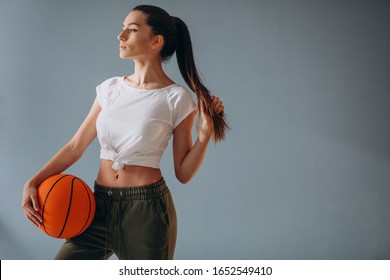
(177, 38)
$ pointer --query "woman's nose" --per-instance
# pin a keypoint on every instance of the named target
(122, 36)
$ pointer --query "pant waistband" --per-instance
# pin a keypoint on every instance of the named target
(150, 191)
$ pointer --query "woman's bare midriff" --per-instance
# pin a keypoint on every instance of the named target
(129, 176)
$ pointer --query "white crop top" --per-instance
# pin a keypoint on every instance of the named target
(135, 125)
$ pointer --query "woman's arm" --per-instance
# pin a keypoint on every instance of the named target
(63, 159)
(187, 157)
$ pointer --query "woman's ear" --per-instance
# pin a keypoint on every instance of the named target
(158, 42)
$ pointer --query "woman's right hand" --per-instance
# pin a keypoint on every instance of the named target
(30, 204)
(63, 159)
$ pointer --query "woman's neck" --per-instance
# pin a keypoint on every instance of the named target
(148, 74)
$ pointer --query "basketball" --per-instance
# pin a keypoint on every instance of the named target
(67, 206)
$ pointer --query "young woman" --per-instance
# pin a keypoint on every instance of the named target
(134, 117)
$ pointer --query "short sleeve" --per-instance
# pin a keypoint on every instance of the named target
(182, 104)
(99, 96)
(104, 91)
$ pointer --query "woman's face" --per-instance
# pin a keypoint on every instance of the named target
(136, 38)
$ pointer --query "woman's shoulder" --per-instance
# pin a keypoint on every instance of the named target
(113, 81)
(178, 94)
(107, 90)
(176, 90)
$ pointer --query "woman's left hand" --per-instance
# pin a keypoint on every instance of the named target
(218, 107)
(218, 104)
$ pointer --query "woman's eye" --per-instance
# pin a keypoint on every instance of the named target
(130, 29)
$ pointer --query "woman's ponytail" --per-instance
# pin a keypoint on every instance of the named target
(177, 38)
(185, 60)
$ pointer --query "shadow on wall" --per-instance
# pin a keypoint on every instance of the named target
(10, 247)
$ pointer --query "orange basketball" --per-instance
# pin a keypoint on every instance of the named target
(67, 205)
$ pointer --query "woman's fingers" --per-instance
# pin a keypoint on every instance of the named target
(32, 215)
(218, 104)
(32, 218)
(35, 201)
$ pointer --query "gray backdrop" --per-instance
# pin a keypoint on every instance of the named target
(304, 173)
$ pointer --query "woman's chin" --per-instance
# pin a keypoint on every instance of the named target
(123, 56)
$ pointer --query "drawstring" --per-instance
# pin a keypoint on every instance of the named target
(107, 220)
(119, 211)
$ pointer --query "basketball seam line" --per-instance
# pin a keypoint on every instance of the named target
(44, 203)
(69, 206)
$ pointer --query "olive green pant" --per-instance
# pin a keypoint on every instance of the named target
(131, 222)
